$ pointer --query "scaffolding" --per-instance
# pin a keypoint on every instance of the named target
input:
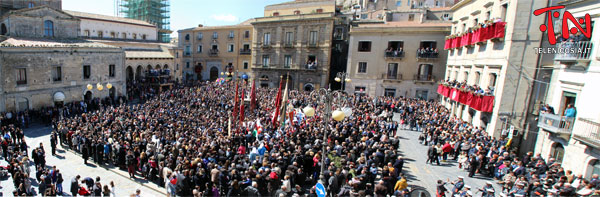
(156, 12)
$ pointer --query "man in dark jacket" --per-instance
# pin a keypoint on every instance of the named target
(251, 191)
(75, 185)
(398, 165)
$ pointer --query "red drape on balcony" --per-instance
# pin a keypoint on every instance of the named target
(463, 97)
(440, 89)
(499, 29)
(476, 102)
(469, 98)
(456, 42)
(470, 42)
(454, 94)
(487, 104)
(466, 39)
(446, 92)
(448, 44)
(476, 36)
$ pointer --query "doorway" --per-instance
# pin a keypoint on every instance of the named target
(214, 73)
(87, 96)
(569, 98)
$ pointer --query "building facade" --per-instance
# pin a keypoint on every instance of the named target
(383, 59)
(573, 139)
(46, 64)
(212, 52)
(8, 5)
(97, 26)
(495, 62)
(296, 44)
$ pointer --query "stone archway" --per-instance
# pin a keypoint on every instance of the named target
(129, 73)
(138, 72)
(309, 87)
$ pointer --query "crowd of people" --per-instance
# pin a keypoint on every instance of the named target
(427, 52)
(451, 139)
(471, 88)
(181, 140)
(394, 52)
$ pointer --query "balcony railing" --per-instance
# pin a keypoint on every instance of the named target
(573, 51)
(313, 44)
(312, 66)
(289, 45)
(394, 54)
(245, 51)
(391, 76)
(424, 78)
(555, 123)
(427, 55)
(588, 132)
(265, 44)
(213, 52)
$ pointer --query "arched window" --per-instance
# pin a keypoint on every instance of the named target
(477, 76)
(48, 28)
(466, 76)
(492, 82)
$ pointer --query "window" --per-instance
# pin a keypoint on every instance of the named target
(503, 12)
(30, 5)
(177, 67)
(143, 36)
(247, 34)
(100, 34)
(187, 50)
(124, 35)
(245, 65)
(187, 37)
(86, 72)
(113, 35)
(557, 152)
(57, 73)
(187, 64)
(313, 38)
(297, 12)
(199, 50)
(111, 70)
(362, 67)
(86, 33)
(48, 28)
(230, 48)
(267, 38)
(487, 15)
(134, 36)
(215, 35)
(364, 46)
(231, 34)
(446, 17)
(492, 82)
(265, 61)
(287, 61)
(215, 47)
(407, 2)
(199, 36)
(319, 10)
(477, 76)
(289, 36)
(475, 22)
(420, 4)
(437, 3)
(275, 13)
(399, 3)
(246, 47)
(359, 90)
(338, 34)
(411, 17)
(21, 76)
(390, 92)
(465, 76)
(392, 72)
(428, 44)
(176, 54)
(396, 46)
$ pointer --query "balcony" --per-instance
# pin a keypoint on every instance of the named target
(313, 44)
(394, 54)
(312, 66)
(574, 53)
(555, 123)
(213, 52)
(427, 56)
(391, 77)
(245, 51)
(265, 45)
(289, 45)
(424, 78)
(587, 132)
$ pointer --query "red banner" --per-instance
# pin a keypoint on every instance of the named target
(447, 44)
(466, 39)
(440, 89)
(487, 104)
(476, 102)
(499, 29)
(456, 42)
(463, 97)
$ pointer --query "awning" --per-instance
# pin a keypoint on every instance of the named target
(59, 97)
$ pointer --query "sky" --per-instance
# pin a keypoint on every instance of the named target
(187, 13)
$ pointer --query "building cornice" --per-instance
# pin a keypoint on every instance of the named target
(459, 4)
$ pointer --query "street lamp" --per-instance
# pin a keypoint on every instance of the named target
(325, 96)
(343, 78)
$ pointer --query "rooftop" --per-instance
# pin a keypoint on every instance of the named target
(246, 23)
(408, 24)
(47, 43)
(85, 15)
(162, 52)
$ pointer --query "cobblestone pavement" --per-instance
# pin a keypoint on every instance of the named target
(71, 165)
(425, 175)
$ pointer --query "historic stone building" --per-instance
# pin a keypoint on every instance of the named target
(383, 58)
(46, 64)
(573, 79)
(297, 41)
(210, 52)
(490, 46)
